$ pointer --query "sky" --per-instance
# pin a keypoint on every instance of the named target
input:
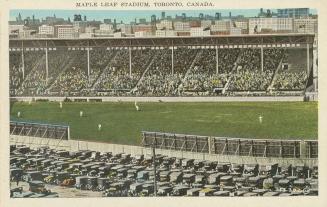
(129, 15)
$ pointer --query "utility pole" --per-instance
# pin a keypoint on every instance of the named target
(154, 169)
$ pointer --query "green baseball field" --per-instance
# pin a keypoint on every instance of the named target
(122, 123)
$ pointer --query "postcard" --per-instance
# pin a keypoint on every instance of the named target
(170, 103)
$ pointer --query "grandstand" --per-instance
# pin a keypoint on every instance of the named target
(180, 66)
(273, 128)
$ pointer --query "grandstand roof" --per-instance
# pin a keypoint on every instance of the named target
(257, 39)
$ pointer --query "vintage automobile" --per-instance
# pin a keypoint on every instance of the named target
(32, 176)
(135, 189)
(147, 189)
(176, 177)
(164, 191)
(81, 182)
(221, 193)
(38, 187)
(193, 192)
(223, 167)
(180, 190)
(207, 192)
(188, 179)
(215, 178)
(92, 183)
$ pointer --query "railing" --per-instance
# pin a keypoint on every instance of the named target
(33, 129)
(232, 146)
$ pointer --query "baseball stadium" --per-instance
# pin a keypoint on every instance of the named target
(165, 116)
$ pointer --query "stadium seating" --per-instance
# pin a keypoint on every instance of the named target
(194, 72)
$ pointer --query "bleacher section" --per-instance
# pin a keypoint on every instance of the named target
(150, 72)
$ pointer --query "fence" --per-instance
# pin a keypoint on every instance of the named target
(232, 146)
(311, 149)
(39, 130)
(75, 145)
(176, 142)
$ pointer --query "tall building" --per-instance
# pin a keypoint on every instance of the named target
(16, 28)
(142, 34)
(125, 28)
(165, 24)
(165, 33)
(77, 18)
(218, 16)
(306, 25)
(205, 23)
(221, 25)
(163, 15)
(199, 32)
(270, 25)
(107, 21)
(64, 31)
(153, 19)
(46, 30)
(106, 27)
(293, 12)
(182, 26)
(142, 28)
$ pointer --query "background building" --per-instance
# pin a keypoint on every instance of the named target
(270, 25)
(306, 25)
(199, 31)
(46, 30)
(64, 31)
(287, 20)
(293, 12)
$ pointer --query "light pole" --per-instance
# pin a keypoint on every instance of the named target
(154, 169)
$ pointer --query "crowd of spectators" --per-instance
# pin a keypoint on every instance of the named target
(246, 80)
(152, 74)
(183, 58)
(294, 76)
(203, 76)
(249, 76)
(35, 82)
(272, 58)
(16, 70)
(74, 77)
(18, 79)
(119, 78)
(140, 59)
(113, 80)
(99, 60)
(290, 81)
(203, 82)
(159, 85)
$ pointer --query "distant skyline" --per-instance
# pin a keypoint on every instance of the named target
(130, 15)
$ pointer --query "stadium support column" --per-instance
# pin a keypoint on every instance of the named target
(217, 60)
(23, 61)
(46, 62)
(261, 58)
(88, 60)
(130, 61)
(172, 59)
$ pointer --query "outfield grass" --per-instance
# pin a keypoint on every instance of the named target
(121, 123)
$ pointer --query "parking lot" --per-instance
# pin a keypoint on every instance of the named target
(63, 192)
(46, 172)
